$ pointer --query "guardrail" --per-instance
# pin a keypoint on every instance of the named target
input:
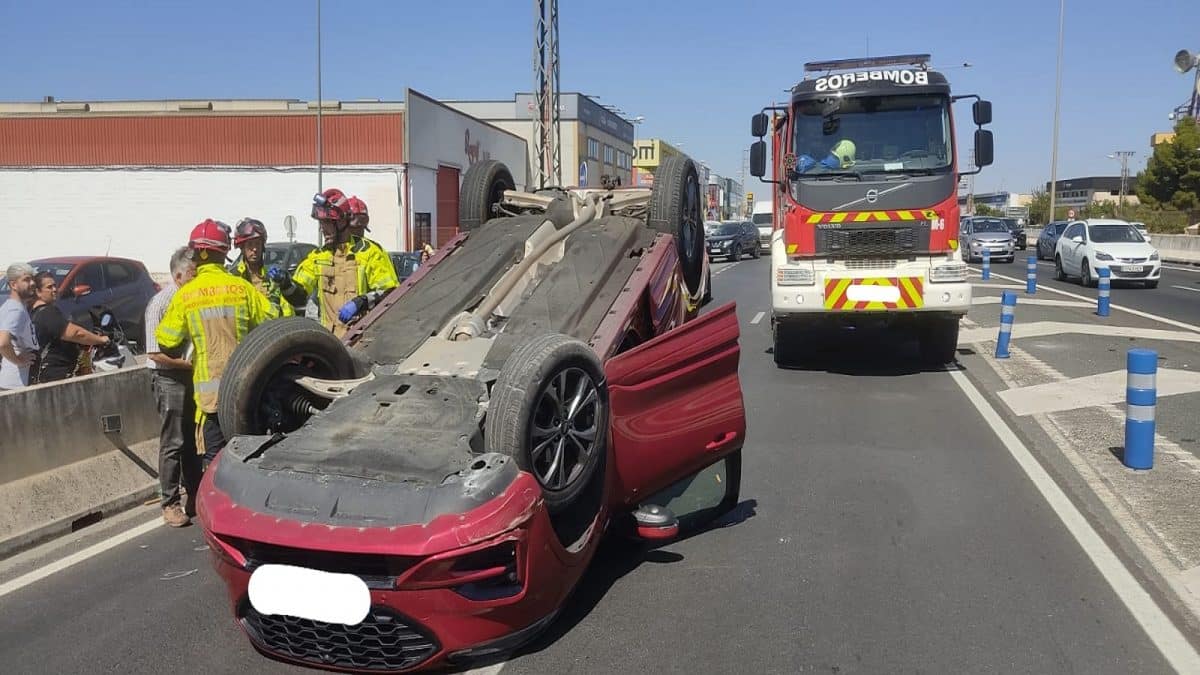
(1177, 248)
(73, 451)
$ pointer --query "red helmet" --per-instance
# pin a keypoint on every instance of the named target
(331, 205)
(358, 212)
(212, 235)
(247, 229)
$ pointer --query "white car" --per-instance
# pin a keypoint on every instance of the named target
(1141, 228)
(1088, 245)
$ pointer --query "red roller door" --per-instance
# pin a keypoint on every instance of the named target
(447, 204)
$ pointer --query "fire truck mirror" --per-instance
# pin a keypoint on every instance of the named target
(758, 125)
(983, 147)
(982, 111)
(758, 159)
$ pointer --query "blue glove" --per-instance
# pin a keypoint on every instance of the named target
(831, 162)
(274, 273)
(350, 309)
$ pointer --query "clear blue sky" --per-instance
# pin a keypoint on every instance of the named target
(696, 70)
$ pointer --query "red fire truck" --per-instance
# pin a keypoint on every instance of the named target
(865, 177)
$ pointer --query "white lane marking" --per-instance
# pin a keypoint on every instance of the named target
(78, 557)
(1045, 328)
(1161, 631)
(1194, 270)
(1022, 300)
(1187, 288)
(1092, 390)
(488, 670)
(727, 266)
(758, 317)
(1129, 310)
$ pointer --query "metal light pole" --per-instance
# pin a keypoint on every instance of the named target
(1062, 8)
(1185, 61)
(1124, 156)
(320, 144)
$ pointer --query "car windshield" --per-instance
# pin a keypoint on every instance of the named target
(1114, 234)
(762, 219)
(872, 134)
(275, 255)
(59, 270)
(724, 229)
(989, 225)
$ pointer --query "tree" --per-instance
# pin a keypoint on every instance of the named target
(1039, 207)
(985, 210)
(1172, 175)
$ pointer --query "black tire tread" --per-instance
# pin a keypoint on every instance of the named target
(666, 211)
(475, 198)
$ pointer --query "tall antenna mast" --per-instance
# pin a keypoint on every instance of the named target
(547, 132)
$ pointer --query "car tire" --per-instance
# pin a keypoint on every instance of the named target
(1059, 273)
(938, 340)
(483, 187)
(1085, 274)
(251, 390)
(529, 417)
(736, 255)
(675, 209)
(755, 253)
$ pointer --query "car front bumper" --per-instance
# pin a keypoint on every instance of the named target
(834, 299)
(1151, 270)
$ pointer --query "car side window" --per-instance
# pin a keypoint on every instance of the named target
(117, 274)
(91, 275)
(1073, 231)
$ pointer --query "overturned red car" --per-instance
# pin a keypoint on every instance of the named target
(430, 490)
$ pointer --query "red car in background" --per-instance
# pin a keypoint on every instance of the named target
(431, 490)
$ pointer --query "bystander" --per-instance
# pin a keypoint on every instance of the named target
(18, 342)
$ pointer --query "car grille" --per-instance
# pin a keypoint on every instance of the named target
(383, 641)
(870, 242)
(764, 239)
(1132, 261)
(378, 571)
(870, 264)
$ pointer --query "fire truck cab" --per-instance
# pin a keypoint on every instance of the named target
(865, 200)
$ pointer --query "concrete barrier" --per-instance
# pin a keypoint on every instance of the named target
(72, 452)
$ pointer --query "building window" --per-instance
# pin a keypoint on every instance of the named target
(609, 155)
(623, 160)
(593, 148)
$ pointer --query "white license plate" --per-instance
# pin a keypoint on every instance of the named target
(860, 293)
(1133, 268)
(309, 594)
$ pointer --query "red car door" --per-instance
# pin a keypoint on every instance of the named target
(676, 404)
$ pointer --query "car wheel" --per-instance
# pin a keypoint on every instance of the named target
(1059, 274)
(675, 209)
(549, 410)
(736, 255)
(1085, 274)
(258, 394)
(939, 341)
(483, 187)
(755, 252)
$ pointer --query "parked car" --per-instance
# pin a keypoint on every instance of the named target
(87, 283)
(732, 238)
(479, 431)
(979, 233)
(1090, 245)
(1048, 239)
(1018, 232)
(405, 262)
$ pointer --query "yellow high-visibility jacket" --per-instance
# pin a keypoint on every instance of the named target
(214, 312)
(266, 287)
(355, 268)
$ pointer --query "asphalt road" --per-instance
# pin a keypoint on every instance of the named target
(1177, 296)
(884, 528)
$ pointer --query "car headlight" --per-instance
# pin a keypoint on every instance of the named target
(725, 244)
(795, 276)
(1101, 255)
(975, 243)
(948, 273)
(1154, 256)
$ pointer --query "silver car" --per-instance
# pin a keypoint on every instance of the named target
(977, 234)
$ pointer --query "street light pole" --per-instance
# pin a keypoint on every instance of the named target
(1062, 7)
(320, 145)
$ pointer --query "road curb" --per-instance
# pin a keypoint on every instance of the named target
(23, 541)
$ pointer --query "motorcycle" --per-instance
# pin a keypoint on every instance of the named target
(113, 356)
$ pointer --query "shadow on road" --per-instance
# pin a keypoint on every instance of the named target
(616, 557)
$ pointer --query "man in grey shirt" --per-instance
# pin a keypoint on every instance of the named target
(178, 463)
(18, 342)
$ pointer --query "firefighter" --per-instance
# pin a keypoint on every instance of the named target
(841, 156)
(213, 313)
(359, 221)
(250, 236)
(349, 275)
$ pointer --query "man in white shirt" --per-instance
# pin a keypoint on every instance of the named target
(18, 342)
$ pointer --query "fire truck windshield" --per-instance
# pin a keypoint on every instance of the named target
(857, 135)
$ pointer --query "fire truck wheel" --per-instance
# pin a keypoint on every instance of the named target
(676, 209)
(939, 341)
(483, 187)
(549, 411)
(787, 343)
(258, 394)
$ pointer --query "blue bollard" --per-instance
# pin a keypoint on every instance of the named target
(1031, 275)
(987, 264)
(1008, 307)
(1141, 394)
(1105, 288)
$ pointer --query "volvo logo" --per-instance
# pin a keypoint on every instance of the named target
(872, 196)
